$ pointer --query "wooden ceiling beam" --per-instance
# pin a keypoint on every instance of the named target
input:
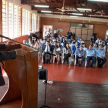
(74, 15)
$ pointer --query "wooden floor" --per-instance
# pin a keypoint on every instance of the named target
(62, 94)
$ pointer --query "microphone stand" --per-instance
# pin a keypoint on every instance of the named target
(47, 57)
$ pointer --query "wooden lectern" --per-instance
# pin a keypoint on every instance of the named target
(23, 77)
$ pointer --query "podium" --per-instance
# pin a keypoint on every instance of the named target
(23, 78)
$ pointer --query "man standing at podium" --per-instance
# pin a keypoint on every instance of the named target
(5, 55)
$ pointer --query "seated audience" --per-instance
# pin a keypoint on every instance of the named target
(58, 51)
(100, 57)
(67, 53)
(90, 53)
(75, 47)
(80, 53)
(46, 50)
(95, 46)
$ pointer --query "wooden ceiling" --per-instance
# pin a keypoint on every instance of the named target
(99, 9)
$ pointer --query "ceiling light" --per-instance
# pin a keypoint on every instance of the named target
(77, 14)
(41, 6)
(84, 9)
(73, 16)
(99, 0)
(46, 11)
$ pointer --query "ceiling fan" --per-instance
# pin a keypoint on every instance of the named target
(63, 8)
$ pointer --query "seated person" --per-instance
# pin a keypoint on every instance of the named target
(75, 47)
(74, 41)
(92, 40)
(29, 42)
(46, 50)
(84, 47)
(100, 57)
(80, 41)
(95, 46)
(37, 46)
(58, 51)
(53, 46)
(90, 53)
(67, 53)
(80, 53)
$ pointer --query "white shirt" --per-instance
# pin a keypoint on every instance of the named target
(48, 48)
(55, 31)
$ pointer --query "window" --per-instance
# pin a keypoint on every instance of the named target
(19, 21)
(10, 20)
(15, 21)
(4, 18)
(33, 22)
(25, 22)
(28, 23)
(37, 28)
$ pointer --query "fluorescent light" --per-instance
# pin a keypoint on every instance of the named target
(46, 11)
(99, 0)
(84, 9)
(42, 6)
(77, 14)
(73, 16)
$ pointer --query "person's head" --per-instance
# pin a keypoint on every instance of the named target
(100, 47)
(76, 43)
(47, 43)
(50, 41)
(24, 41)
(55, 43)
(80, 39)
(90, 47)
(84, 45)
(58, 43)
(81, 47)
(67, 45)
(95, 45)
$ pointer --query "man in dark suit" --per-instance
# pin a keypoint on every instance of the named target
(46, 49)
(5, 55)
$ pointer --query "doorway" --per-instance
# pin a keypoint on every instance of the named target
(47, 29)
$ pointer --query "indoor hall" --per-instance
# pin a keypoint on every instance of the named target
(28, 26)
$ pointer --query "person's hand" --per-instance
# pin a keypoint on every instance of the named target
(102, 57)
(21, 52)
(88, 53)
(80, 55)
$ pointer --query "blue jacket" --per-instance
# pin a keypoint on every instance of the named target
(74, 48)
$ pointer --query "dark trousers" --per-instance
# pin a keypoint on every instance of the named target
(93, 60)
(77, 57)
(66, 56)
(44, 57)
(101, 62)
